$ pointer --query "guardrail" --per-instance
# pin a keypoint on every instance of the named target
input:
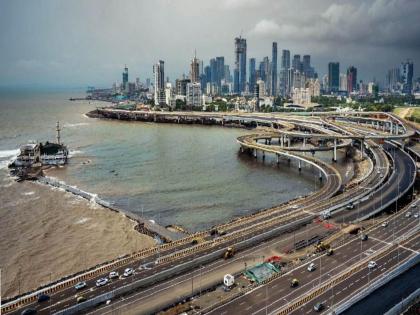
(378, 283)
(182, 267)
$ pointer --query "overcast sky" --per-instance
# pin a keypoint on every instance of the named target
(87, 42)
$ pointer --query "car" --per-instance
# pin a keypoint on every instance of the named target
(416, 215)
(294, 283)
(381, 176)
(311, 267)
(372, 264)
(80, 299)
(330, 251)
(413, 205)
(364, 237)
(408, 214)
(318, 307)
(28, 311)
(128, 272)
(43, 298)
(80, 285)
(350, 206)
(102, 281)
(113, 274)
(294, 207)
(384, 224)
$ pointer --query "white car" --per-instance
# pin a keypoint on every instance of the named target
(413, 205)
(416, 215)
(408, 214)
(101, 282)
(372, 264)
(128, 272)
(311, 267)
(385, 224)
(113, 275)
(80, 285)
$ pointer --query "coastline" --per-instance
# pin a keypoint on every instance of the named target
(59, 230)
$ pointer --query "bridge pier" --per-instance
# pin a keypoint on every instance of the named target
(362, 146)
(300, 165)
(391, 127)
(288, 141)
(255, 153)
(278, 158)
(263, 155)
(282, 140)
(304, 143)
(335, 150)
(320, 176)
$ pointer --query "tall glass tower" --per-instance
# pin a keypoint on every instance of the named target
(239, 81)
(274, 70)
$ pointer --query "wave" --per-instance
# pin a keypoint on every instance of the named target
(29, 193)
(68, 125)
(75, 152)
(9, 153)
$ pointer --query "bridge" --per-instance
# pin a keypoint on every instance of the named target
(380, 138)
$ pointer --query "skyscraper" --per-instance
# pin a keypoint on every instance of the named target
(406, 77)
(125, 78)
(392, 79)
(252, 74)
(306, 66)
(159, 72)
(296, 64)
(351, 79)
(274, 69)
(285, 65)
(285, 60)
(195, 70)
(220, 70)
(240, 65)
(333, 76)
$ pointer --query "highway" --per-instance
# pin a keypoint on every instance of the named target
(278, 293)
(169, 259)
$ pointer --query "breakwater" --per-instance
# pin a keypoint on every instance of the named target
(143, 226)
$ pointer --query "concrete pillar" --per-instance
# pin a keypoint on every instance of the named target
(288, 141)
(391, 127)
(362, 146)
(300, 165)
(255, 153)
(265, 141)
(278, 158)
(282, 140)
(242, 149)
(320, 176)
(304, 142)
(335, 151)
(383, 126)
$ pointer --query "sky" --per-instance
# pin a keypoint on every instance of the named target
(88, 42)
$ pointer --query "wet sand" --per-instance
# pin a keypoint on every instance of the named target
(46, 234)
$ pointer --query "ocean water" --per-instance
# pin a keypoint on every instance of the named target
(193, 176)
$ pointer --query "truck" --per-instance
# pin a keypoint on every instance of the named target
(230, 251)
(320, 247)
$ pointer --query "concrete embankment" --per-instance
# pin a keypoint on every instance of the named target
(143, 226)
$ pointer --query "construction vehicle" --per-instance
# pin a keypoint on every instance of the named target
(330, 251)
(294, 283)
(230, 251)
(321, 246)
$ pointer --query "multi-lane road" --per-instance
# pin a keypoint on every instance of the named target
(169, 259)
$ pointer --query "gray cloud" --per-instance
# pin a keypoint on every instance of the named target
(88, 42)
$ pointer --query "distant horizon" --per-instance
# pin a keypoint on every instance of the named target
(60, 41)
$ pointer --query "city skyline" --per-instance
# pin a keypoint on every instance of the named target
(79, 51)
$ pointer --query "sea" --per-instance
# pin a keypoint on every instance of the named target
(189, 175)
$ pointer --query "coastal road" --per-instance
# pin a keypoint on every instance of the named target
(278, 293)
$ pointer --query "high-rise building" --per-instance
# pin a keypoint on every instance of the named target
(239, 80)
(351, 79)
(306, 64)
(195, 70)
(333, 76)
(274, 69)
(228, 77)
(125, 78)
(285, 59)
(406, 77)
(159, 72)
(343, 82)
(193, 94)
(296, 63)
(252, 74)
(181, 86)
(393, 79)
(285, 65)
(220, 70)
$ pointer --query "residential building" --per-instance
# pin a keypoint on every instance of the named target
(193, 98)
(333, 76)
(125, 78)
(159, 72)
(252, 74)
(239, 80)
(406, 77)
(343, 82)
(181, 86)
(351, 79)
(274, 70)
(195, 70)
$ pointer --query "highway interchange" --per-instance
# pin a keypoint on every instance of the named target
(381, 187)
